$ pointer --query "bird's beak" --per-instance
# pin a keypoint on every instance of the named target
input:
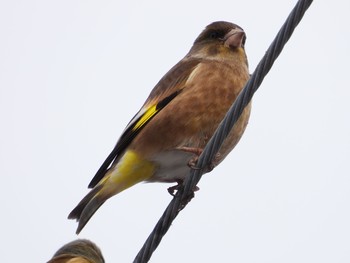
(235, 38)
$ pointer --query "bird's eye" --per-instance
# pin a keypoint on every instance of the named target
(214, 35)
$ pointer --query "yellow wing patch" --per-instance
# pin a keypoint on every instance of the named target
(149, 113)
(134, 127)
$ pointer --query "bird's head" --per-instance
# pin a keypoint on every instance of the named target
(219, 40)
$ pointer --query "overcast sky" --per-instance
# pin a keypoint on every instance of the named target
(73, 73)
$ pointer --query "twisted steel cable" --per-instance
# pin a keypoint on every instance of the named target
(185, 192)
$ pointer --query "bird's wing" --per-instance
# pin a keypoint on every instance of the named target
(164, 92)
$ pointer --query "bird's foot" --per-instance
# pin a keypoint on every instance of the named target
(174, 188)
(193, 161)
(196, 151)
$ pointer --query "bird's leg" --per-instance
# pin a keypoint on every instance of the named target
(174, 188)
(198, 151)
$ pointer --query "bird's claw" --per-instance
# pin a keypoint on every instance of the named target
(193, 162)
(208, 168)
(172, 189)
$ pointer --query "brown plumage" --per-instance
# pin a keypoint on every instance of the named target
(163, 141)
(78, 251)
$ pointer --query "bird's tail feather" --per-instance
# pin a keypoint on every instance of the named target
(130, 170)
(87, 207)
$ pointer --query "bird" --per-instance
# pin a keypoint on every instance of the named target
(78, 251)
(163, 141)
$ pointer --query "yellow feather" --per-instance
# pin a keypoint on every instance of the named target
(150, 112)
(130, 170)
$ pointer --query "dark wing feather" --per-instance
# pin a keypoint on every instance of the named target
(164, 92)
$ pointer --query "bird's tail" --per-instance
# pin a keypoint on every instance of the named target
(105, 189)
(130, 170)
(87, 207)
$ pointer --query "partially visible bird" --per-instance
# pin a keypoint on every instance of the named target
(164, 139)
(78, 251)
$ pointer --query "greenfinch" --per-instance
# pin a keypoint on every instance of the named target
(163, 140)
(78, 251)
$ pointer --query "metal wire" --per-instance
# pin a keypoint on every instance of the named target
(185, 192)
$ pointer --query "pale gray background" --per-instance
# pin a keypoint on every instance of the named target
(73, 73)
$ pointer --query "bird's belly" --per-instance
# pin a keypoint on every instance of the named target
(171, 166)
